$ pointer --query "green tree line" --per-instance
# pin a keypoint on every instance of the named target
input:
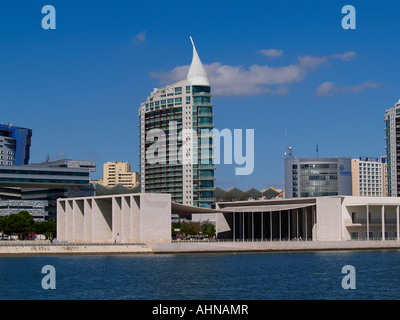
(22, 224)
(192, 228)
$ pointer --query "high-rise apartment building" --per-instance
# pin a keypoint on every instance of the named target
(392, 120)
(119, 173)
(369, 177)
(15, 143)
(317, 177)
(176, 140)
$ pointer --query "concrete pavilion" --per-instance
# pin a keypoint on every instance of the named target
(146, 217)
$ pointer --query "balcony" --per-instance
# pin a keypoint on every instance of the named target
(374, 222)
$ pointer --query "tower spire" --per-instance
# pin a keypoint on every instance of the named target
(197, 74)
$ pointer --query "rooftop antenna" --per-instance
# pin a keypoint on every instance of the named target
(317, 151)
(289, 152)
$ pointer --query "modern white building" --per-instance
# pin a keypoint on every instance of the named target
(336, 218)
(133, 218)
(176, 141)
(146, 218)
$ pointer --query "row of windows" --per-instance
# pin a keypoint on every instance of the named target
(318, 166)
(178, 91)
(44, 181)
(46, 173)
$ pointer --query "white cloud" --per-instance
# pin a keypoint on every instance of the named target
(272, 53)
(325, 89)
(347, 56)
(256, 79)
(328, 88)
(140, 37)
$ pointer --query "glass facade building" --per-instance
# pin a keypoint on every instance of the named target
(392, 121)
(317, 177)
(47, 181)
(15, 143)
(176, 140)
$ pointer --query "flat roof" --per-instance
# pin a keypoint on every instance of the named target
(177, 208)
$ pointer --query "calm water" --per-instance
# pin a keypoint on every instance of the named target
(207, 276)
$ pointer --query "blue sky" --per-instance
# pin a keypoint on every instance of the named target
(275, 66)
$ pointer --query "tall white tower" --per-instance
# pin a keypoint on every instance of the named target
(172, 125)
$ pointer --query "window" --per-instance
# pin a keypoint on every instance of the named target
(178, 101)
(197, 89)
(201, 100)
(178, 90)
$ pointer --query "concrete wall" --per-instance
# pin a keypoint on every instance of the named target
(135, 218)
(329, 219)
(155, 217)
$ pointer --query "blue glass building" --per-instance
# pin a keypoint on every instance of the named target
(15, 143)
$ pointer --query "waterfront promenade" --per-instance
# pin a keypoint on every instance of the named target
(22, 248)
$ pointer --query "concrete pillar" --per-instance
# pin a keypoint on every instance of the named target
(116, 219)
(243, 225)
(270, 224)
(134, 202)
(69, 220)
(383, 222)
(88, 225)
(280, 225)
(289, 234)
(125, 234)
(252, 226)
(305, 218)
(368, 222)
(262, 226)
(314, 223)
(397, 222)
(61, 220)
(234, 226)
(78, 221)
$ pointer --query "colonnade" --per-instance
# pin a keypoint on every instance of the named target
(293, 224)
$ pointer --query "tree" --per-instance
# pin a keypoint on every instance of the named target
(20, 223)
(207, 228)
(3, 221)
(190, 228)
(47, 228)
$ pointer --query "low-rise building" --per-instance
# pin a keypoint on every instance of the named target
(119, 173)
(146, 217)
(317, 177)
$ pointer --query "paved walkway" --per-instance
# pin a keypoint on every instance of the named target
(13, 249)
